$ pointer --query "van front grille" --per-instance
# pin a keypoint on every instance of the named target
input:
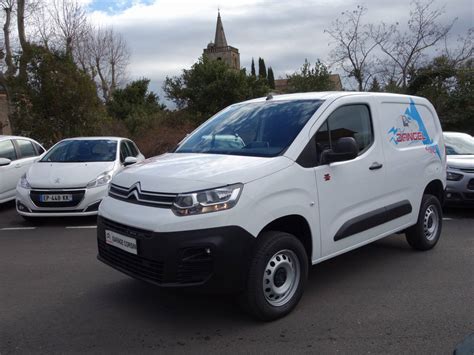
(135, 194)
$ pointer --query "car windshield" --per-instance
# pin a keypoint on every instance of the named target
(78, 151)
(263, 129)
(459, 145)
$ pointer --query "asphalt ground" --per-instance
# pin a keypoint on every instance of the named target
(55, 297)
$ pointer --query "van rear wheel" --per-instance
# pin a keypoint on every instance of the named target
(277, 276)
(426, 232)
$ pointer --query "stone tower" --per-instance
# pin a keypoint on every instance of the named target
(220, 50)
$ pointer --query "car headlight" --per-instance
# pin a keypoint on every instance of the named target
(453, 176)
(24, 182)
(101, 180)
(221, 198)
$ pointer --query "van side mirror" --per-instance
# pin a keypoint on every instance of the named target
(345, 149)
(130, 161)
(5, 161)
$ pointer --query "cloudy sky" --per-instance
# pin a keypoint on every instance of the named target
(166, 36)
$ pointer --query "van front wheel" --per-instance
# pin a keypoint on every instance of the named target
(277, 275)
(426, 232)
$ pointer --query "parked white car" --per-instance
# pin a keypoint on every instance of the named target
(72, 178)
(17, 154)
(312, 176)
(460, 174)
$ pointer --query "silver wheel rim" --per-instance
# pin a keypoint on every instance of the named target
(431, 223)
(281, 277)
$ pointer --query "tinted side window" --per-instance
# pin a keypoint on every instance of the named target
(347, 121)
(131, 147)
(124, 151)
(26, 148)
(7, 150)
(39, 148)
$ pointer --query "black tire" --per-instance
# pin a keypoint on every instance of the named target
(426, 232)
(290, 272)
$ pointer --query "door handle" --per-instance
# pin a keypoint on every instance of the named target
(375, 166)
(17, 165)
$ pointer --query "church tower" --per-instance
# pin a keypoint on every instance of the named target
(220, 50)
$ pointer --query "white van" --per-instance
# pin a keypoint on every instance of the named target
(317, 175)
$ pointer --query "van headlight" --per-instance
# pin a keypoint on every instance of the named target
(221, 198)
(24, 182)
(101, 180)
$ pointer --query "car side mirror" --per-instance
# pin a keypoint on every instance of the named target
(345, 149)
(5, 161)
(130, 161)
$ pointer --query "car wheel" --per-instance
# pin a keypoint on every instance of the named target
(426, 232)
(277, 276)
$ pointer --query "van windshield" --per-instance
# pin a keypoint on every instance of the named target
(263, 129)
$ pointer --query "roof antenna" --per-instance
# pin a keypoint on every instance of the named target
(269, 97)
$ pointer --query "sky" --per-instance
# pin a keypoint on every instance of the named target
(166, 36)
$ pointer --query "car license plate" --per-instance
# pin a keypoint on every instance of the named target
(56, 198)
(120, 241)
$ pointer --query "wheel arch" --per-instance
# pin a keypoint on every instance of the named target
(435, 188)
(296, 225)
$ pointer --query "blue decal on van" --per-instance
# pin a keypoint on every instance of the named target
(409, 133)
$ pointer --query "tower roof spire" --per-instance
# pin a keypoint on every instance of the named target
(219, 40)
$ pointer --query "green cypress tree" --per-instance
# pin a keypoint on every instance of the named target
(262, 69)
(252, 70)
(271, 78)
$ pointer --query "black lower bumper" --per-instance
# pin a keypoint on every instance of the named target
(214, 259)
(457, 198)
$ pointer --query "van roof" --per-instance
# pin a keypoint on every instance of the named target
(324, 95)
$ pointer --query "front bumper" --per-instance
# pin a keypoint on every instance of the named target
(215, 259)
(87, 204)
(460, 192)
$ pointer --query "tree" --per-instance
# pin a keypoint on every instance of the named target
(271, 78)
(354, 46)
(252, 70)
(262, 69)
(406, 49)
(450, 87)
(310, 79)
(58, 100)
(135, 105)
(104, 54)
(7, 54)
(70, 22)
(375, 86)
(209, 86)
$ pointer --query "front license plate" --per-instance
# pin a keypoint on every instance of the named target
(56, 198)
(120, 241)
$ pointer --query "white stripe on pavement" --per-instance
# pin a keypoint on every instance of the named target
(81, 227)
(447, 219)
(17, 228)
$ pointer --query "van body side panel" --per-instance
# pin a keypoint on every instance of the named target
(413, 150)
(291, 191)
(349, 190)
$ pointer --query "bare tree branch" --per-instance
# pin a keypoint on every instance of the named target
(354, 45)
(406, 49)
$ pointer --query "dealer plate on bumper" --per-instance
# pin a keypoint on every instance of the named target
(121, 241)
